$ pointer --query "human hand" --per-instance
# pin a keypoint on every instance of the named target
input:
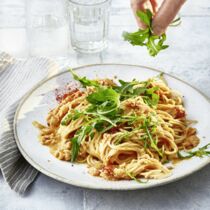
(164, 12)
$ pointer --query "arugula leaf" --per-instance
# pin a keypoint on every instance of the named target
(74, 149)
(176, 22)
(104, 112)
(126, 135)
(99, 122)
(77, 139)
(104, 101)
(127, 90)
(103, 95)
(67, 119)
(100, 117)
(145, 16)
(200, 152)
(150, 97)
(71, 116)
(136, 38)
(145, 37)
(149, 128)
(83, 80)
(135, 179)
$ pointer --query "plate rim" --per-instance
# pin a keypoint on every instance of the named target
(86, 185)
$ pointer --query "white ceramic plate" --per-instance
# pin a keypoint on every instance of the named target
(37, 103)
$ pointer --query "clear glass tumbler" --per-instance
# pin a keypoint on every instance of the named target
(89, 24)
(13, 34)
(48, 28)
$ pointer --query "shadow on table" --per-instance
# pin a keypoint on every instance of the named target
(191, 192)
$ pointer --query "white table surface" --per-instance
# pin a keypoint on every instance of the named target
(188, 58)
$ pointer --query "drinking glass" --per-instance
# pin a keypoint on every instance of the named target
(48, 28)
(13, 35)
(89, 23)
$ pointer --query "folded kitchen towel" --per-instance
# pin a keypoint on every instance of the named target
(16, 78)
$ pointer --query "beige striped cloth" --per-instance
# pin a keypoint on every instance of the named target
(16, 78)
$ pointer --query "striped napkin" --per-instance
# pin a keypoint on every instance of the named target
(16, 78)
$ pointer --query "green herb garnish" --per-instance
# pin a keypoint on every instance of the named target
(77, 139)
(150, 97)
(105, 101)
(201, 152)
(145, 37)
(150, 128)
(71, 116)
(176, 22)
(84, 81)
(128, 90)
(135, 179)
(104, 111)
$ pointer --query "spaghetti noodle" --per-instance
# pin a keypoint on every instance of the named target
(120, 129)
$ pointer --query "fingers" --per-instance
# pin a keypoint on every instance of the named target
(140, 5)
(154, 4)
(165, 15)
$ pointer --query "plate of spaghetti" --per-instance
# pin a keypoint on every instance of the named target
(113, 126)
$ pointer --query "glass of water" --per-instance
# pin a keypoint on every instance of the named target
(13, 34)
(89, 24)
(48, 28)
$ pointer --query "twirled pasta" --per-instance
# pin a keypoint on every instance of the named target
(120, 151)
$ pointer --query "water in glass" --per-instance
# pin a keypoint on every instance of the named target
(89, 24)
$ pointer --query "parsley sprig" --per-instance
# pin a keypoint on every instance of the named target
(145, 37)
